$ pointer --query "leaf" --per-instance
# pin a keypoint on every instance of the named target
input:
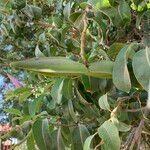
(81, 99)
(101, 69)
(120, 125)
(87, 143)
(56, 91)
(124, 11)
(121, 77)
(15, 81)
(141, 68)
(35, 105)
(99, 4)
(41, 134)
(52, 66)
(79, 135)
(147, 53)
(38, 53)
(68, 88)
(114, 49)
(67, 10)
(57, 140)
(13, 111)
(103, 102)
(110, 135)
(71, 111)
(30, 142)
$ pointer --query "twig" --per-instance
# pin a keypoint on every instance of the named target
(101, 143)
(83, 40)
(22, 141)
(135, 110)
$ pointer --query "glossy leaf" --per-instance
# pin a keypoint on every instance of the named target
(103, 102)
(110, 135)
(141, 68)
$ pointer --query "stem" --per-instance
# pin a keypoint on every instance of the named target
(22, 141)
(83, 40)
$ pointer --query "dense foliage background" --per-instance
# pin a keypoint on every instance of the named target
(92, 97)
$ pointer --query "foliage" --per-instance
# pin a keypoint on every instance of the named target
(87, 86)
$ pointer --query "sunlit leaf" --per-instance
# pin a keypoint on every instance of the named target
(103, 102)
(110, 135)
(99, 4)
(13, 111)
(31, 142)
(120, 125)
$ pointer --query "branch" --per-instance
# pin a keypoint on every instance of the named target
(83, 40)
(22, 141)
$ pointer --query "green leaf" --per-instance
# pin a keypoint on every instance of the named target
(36, 106)
(101, 69)
(88, 141)
(110, 135)
(61, 66)
(99, 4)
(114, 49)
(120, 125)
(141, 68)
(68, 88)
(103, 102)
(71, 111)
(52, 66)
(41, 134)
(13, 111)
(121, 77)
(38, 53)
(67, 10)
(79, 135)
(56, 91)
(30, 142)
(57, 140)
(124, 11)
